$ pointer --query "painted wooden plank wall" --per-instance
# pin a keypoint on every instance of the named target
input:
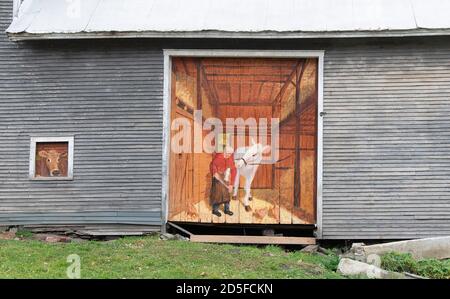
(110, 100)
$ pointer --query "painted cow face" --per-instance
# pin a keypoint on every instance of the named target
(52, 159)
(253, 155)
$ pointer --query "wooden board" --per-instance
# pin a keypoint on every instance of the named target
(252, 239)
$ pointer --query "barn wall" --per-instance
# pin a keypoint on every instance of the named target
(387, 141)
(386, 133)
(109, 97)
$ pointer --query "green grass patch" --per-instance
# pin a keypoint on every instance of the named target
(404, 262)
(24, 234)
(149, 257)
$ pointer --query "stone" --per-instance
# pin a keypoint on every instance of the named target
(181, 238)
(13, 229)
(356, 253)
(310, 249)
(438, 248)
(322, 250)
(57, 239)
(349, 267)
(415, 276)
(52, 238)
(7, 236)
(167, 237)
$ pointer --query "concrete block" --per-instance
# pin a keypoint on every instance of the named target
(349, 267)
(438, 248)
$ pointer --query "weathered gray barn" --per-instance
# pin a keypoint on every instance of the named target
(99, 76)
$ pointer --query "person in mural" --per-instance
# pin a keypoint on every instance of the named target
(223, 172)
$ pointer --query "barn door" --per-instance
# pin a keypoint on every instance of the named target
(254, 89)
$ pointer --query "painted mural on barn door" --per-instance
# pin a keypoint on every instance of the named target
(243, 140)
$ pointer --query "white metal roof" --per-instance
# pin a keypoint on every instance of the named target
(229, 18)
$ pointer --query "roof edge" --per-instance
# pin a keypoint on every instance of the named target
(24, 36)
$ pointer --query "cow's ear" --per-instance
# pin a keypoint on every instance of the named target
(43, 154)
(266, 149)
(63, 155)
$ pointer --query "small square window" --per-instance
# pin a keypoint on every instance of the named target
(51, 158)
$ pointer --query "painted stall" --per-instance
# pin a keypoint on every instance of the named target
(267, 188)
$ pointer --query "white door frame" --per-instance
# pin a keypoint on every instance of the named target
(168, 53)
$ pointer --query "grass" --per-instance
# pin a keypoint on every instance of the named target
(404, 262)
(149, 257)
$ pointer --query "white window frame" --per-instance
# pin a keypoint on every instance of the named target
(32, 171)
(169, 53)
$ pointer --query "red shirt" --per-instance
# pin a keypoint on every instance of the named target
(219, 164)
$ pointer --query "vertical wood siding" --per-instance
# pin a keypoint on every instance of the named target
(110, 99)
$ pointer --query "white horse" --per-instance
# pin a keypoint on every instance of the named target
(247, 163)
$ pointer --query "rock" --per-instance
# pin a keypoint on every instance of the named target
(52, 238)
(7, 236)
(181, 238)
(356, 253)
(235, 251)
(13, 230)
(414, 276)
(167, 237)
(268, 254)
(322, 250)
(357, 247)
(57, 239)
(310, 249)
(349, 267)
(438, 248)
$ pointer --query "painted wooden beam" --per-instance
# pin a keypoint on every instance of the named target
(286, 83)
(304, 107)
(199, 84)
(252, 239)
(297, 182)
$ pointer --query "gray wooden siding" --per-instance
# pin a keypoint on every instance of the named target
(110, 99)
(387, 141)
(386, 134)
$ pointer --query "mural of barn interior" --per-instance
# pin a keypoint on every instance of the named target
(283, 192)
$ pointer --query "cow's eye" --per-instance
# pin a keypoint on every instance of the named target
(48, 160)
